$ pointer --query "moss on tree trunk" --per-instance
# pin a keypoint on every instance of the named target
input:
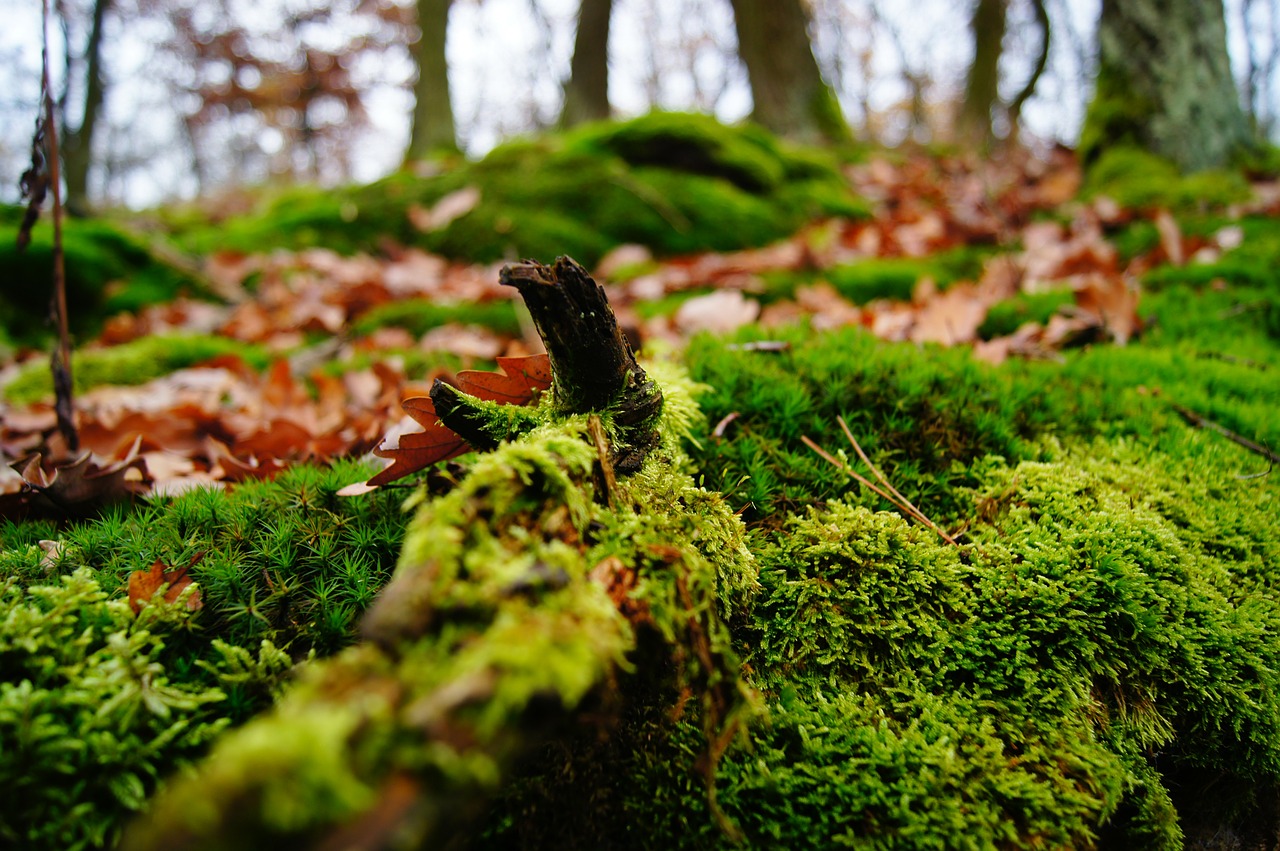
(1164, 84)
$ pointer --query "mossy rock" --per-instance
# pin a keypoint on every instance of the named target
(675, 182)
(108, 270)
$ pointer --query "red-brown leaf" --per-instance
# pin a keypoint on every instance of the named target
(143, 584)
(520, 380)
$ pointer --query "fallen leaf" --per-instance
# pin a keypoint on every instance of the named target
(1113, 302)
(143, 585)
(453, 206)
(719, 312)
(1170, 237)
(520, 380)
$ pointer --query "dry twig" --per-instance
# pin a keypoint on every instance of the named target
(888, 492)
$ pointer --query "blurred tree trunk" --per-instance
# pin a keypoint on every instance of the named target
(791, 98)
(1014, 111)
(77, 151)
(586, 92)
(982, 86)
(1164, 83)
(433, 129)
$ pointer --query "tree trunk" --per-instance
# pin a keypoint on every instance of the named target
(78, 144)
(433, 129)
(791, 98)
(1014, 111)
(1164, 84)
(982, 86)
(586, 92)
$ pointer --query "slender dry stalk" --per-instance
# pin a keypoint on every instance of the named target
(888, 492)
(60, 360)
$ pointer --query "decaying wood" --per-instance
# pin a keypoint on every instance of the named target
(594, 366)
(507, 624)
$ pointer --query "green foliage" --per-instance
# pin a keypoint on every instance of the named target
(677, 183)
(102, 704)
(108, 270)
(135, 362)
(925, 415)
(92, 712)
(1035, 688)
(420, 315)
(285, 560)
(897, 277)
(1135, 178)
(492, 627)
(1009, 315)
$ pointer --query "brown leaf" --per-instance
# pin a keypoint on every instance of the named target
(453, 206)
(718, 312)
(1170, 237)
(84, 485)
(143, 585)
(1113, 303)
(519, 382)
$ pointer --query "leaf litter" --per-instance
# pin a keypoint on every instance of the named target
(223, 421)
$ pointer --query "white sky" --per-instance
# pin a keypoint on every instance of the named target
(505, 82)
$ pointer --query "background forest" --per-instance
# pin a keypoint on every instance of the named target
(221, 86)
(640, 424)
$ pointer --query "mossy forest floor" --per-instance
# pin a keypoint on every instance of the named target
(1049, 369)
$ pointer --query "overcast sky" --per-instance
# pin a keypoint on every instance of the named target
(504, 81)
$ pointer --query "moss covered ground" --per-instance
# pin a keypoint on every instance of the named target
(1096, 663)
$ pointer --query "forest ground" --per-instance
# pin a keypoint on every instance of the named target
(1064, 388)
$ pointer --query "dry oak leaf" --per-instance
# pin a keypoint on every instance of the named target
(84, 484)
(143, 585)
(519, 382)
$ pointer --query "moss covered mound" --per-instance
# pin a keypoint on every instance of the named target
(108, 268)
(135, 362)
(675, 182)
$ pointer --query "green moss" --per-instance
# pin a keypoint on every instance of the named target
(95, 709)
(135, 362)
(285, 560)
(489, 628)
(676, 183)
(420, 315)
(1007, 316)
(108, 270)
(1135, 178)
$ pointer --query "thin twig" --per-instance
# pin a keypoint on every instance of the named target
(858, 477)
(895, 499)
(60, 362)
(1203, 422)
(903, 501)
(606, 463)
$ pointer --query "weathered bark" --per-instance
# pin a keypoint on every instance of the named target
(594, 367)
(586, 92)
(77, 152)
(982, 85)
(790, 97)
(1164, 83)
(433, 127)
